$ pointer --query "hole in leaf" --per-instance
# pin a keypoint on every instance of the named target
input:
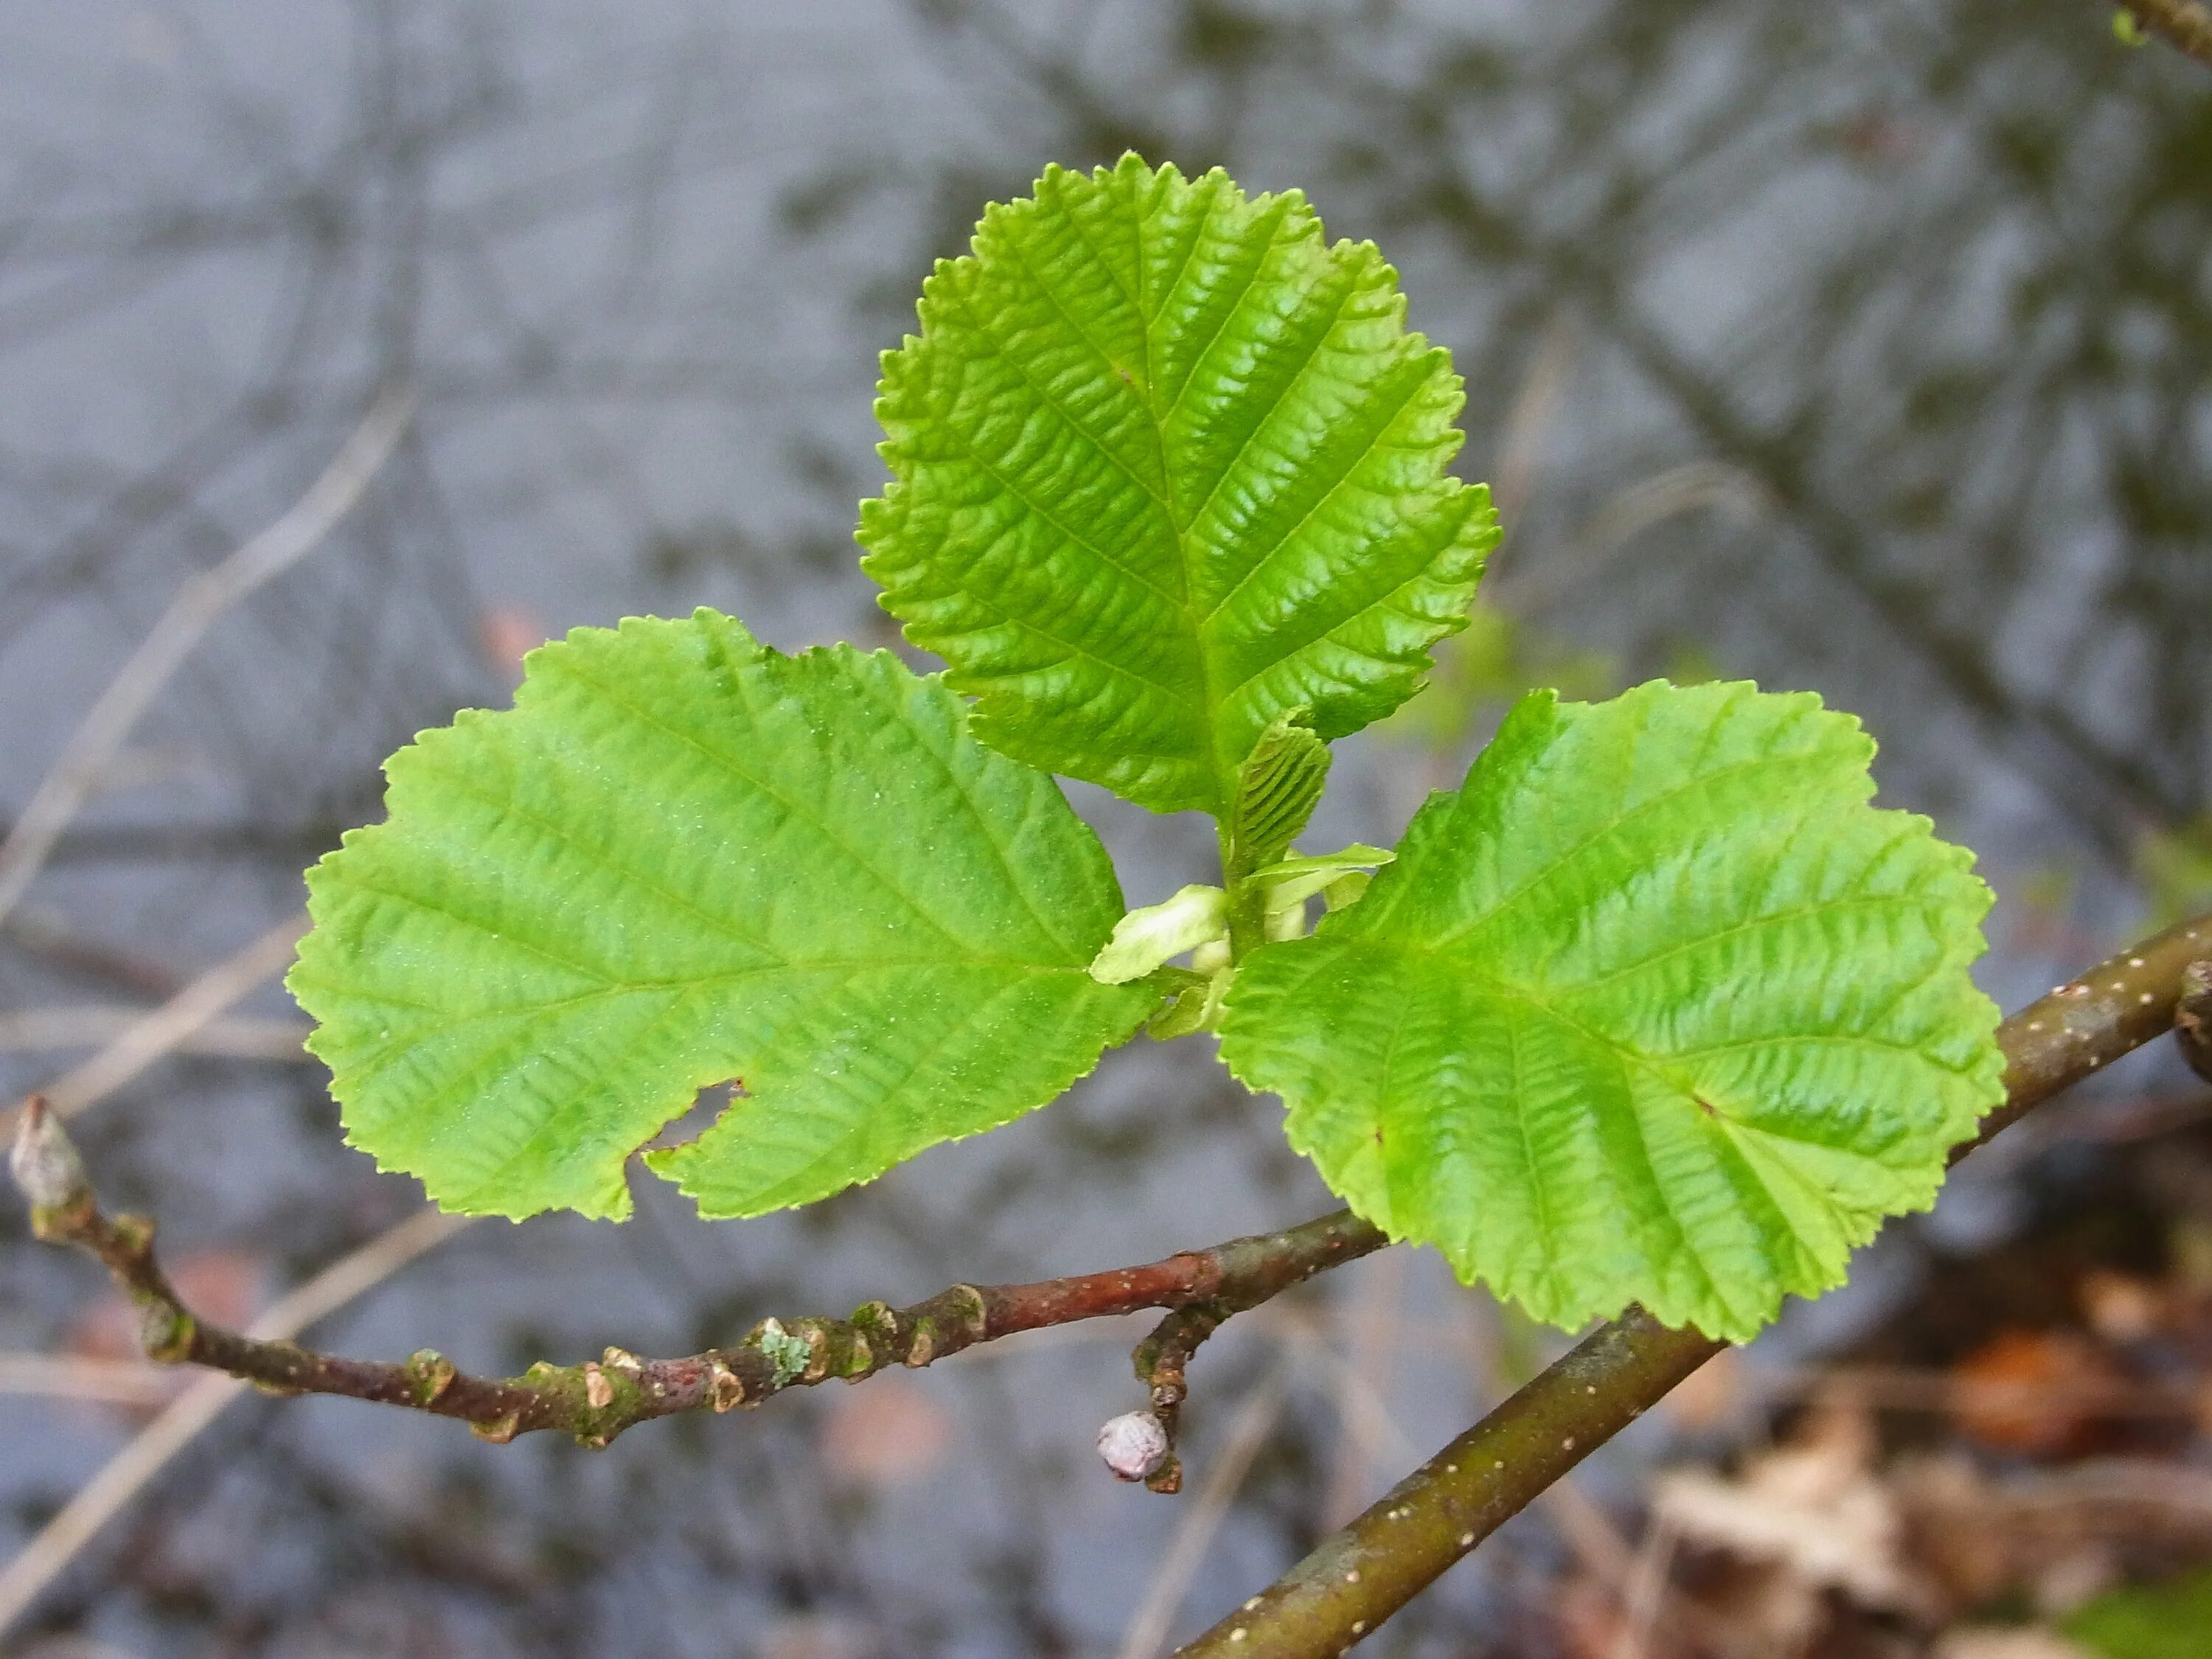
(707, 1105)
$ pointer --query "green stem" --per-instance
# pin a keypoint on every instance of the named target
(1248, 906)
(1253, 1270)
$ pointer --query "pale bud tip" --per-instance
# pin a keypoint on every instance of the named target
(1135, 1445)
(44, 1161)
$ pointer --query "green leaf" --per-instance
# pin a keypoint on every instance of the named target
(1348, 889)
(1658, 1008)
(681, 859)
(1167, 466)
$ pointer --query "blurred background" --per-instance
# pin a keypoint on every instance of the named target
(1863, 347)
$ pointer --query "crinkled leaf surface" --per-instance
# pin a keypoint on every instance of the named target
(1167, 465)
(680, 858)
(1656, 1008)
(1278, 786)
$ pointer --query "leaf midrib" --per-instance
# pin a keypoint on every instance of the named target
(1220, 776)
(1221, 767)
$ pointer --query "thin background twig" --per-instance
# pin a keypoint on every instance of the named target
(207, 997)
(198, 605)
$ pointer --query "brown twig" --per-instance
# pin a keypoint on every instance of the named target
(598, 1400)
(124, 1476)
(101, 1382)
(1263, 1267)
(160, 1032)
(2184, 25)
(1361, 1575)
(94, 1025)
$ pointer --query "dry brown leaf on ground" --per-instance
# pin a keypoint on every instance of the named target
(2122, 1308)
(2016, 1386)
(1813, 1508)
(2055, 1537)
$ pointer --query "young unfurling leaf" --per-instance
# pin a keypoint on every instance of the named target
(1278, 787)
(1144, 940)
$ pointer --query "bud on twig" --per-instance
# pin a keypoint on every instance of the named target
(45, 1161)
(1135, 1445)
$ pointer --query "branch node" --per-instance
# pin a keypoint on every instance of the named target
(133, 1235)
(598, 1392)
(165, 1331)
(429, 1374)
(500, 1430)
(877, 1318)
(824, 1354)
(724, 1387)
(976, 1312)
(923, 1347)
(622, 1360)
(2186, 24)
